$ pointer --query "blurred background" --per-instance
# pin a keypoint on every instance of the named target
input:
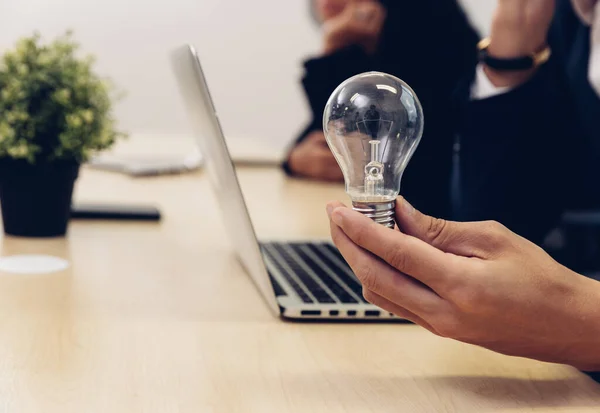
(253, 74)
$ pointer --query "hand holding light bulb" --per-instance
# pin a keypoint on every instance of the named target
(373, 123)
(458, 279)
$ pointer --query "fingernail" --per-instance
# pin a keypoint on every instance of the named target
(337, 216)
(407, 207)
(329, 209)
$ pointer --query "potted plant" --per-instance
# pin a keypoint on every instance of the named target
(55, 112)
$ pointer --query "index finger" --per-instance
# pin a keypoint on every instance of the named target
(409, 255)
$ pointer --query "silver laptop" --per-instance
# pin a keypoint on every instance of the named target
(306, 280)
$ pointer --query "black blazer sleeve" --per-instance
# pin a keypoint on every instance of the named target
(410, 48)
(322, 75)
(511, 156)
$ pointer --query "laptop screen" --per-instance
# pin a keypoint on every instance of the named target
(219, 166)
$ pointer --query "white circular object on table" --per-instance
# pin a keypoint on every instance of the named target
(32, 264)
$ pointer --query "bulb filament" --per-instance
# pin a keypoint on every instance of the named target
(374, 171)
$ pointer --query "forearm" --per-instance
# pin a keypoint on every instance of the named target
(322, 75)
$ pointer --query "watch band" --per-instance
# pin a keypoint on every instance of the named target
(517, 64)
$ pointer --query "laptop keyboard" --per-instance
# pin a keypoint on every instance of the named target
(286, 273)
(316, 272)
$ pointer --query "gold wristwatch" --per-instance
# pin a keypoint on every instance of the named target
(515, 64)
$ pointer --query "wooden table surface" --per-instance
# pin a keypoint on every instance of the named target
(161, 318)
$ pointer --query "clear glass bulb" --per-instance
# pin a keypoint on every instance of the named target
(373, 123)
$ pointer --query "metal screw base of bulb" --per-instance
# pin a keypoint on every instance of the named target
(383, 213)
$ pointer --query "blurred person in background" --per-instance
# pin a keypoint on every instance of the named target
(530, 139)
(427, 43)
(531, 147)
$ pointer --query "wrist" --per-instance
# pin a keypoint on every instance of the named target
(334, 41)
(510, 66)
(331, 47)
(517, 34)
(585, 354)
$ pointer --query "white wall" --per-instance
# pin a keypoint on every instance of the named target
(251, 51)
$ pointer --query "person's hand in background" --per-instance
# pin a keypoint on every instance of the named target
(474, 282)
(313, 159)
(519, 28)
(360, 22)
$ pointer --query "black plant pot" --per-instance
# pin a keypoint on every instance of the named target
(36, 199)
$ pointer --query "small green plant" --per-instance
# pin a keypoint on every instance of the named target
(52, 105)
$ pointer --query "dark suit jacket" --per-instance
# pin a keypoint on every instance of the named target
(430, 45)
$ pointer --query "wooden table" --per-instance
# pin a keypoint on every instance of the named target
(161, 318)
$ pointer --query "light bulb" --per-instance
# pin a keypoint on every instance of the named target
(373, 123)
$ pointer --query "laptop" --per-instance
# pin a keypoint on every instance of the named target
(298, 280)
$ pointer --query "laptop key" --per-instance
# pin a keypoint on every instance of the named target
(277, 288)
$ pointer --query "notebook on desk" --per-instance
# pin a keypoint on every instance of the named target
(155, 164)
(300, 280)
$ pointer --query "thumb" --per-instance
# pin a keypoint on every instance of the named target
(464, 239)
